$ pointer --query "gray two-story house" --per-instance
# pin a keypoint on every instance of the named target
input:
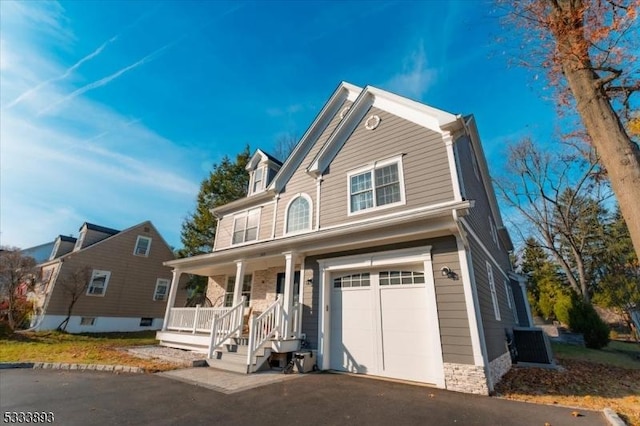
(378, 243)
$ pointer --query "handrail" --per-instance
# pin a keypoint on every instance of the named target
(225, 326)
(196, 319)
(262, 328)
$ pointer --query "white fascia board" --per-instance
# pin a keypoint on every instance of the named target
(344, 91)
(256, 158)
(341, 133)
(419, 113)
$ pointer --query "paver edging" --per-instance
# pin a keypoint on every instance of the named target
(66, 366)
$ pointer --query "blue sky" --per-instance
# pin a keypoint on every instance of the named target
(113, 112)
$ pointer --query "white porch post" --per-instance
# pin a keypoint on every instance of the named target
(171, 300)
(289, 273)
(237, 290)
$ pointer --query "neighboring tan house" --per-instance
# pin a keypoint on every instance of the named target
(378, 245)
(128, 285)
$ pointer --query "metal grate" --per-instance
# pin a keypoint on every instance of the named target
(532, 346)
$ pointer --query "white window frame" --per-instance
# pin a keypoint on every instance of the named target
(371, 169)
(511, 300)
(230, 289)
(160, 282)
(264, 170)
(494, 294)
(87, 321)
(286, 216)
(245, 217)
(135, 248)
(96, 274)
(494, 231)
(80, 240)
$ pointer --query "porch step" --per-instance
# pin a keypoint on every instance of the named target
(233, 357)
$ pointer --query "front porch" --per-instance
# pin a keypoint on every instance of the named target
(255, 312)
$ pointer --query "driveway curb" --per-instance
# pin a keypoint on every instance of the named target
(613, 418)
(68, 366)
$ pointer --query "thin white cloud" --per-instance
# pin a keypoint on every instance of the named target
(416, 77)
(106, 80)
(66, 74)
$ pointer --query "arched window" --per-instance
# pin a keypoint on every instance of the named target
(299, 214)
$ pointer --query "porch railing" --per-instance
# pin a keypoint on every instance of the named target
(196, 319)
(264, 327)
(225, 326)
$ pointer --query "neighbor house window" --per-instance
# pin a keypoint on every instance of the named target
(245, 226)
(87, 321)
(299, 214)
(378, 186)
(143, 245)
(492, 288)
(80, 240)
(146, 322)
(162, 288)
(246, 290)
(98, 283)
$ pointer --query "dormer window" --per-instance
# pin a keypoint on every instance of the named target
(262, 168)
(80, 240)
(258, 180)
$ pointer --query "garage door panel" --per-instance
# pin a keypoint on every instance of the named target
(383, 330)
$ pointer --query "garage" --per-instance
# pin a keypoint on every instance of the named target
(382, 323)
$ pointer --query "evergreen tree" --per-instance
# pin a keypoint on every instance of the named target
(227, 182)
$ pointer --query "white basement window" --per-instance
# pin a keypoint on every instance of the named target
(143, 245)
(98, 283)
(375, 187)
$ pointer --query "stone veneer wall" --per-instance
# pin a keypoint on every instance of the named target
(263, 289)
(215, 289)
(499, 367)
(465, 378)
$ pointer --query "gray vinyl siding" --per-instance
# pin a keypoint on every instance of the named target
(494, 330)
(132, 282)
(520, 301)
(475, 190)
(452, 313)
(427, 178)
(301, 182)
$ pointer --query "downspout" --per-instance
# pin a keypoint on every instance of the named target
(318, 192)
(275, 215)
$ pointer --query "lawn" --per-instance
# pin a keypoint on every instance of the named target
(102, 348)
(589, 378)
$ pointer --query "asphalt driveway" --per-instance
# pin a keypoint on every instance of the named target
(95, 398)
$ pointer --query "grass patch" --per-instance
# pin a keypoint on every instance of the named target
(591, 379)
(617, 354)
(99, 348)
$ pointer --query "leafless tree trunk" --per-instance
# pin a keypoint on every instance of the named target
(73, 286)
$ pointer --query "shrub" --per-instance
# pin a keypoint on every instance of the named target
(584, 319)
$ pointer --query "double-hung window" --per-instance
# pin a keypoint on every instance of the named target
(246, 290)
(245, 226)
(143, 245)
(378, 186)
(258, 180)
(494, 294)
(162, 288)
(98, 283)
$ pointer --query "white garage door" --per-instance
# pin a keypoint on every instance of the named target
(379, 324)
